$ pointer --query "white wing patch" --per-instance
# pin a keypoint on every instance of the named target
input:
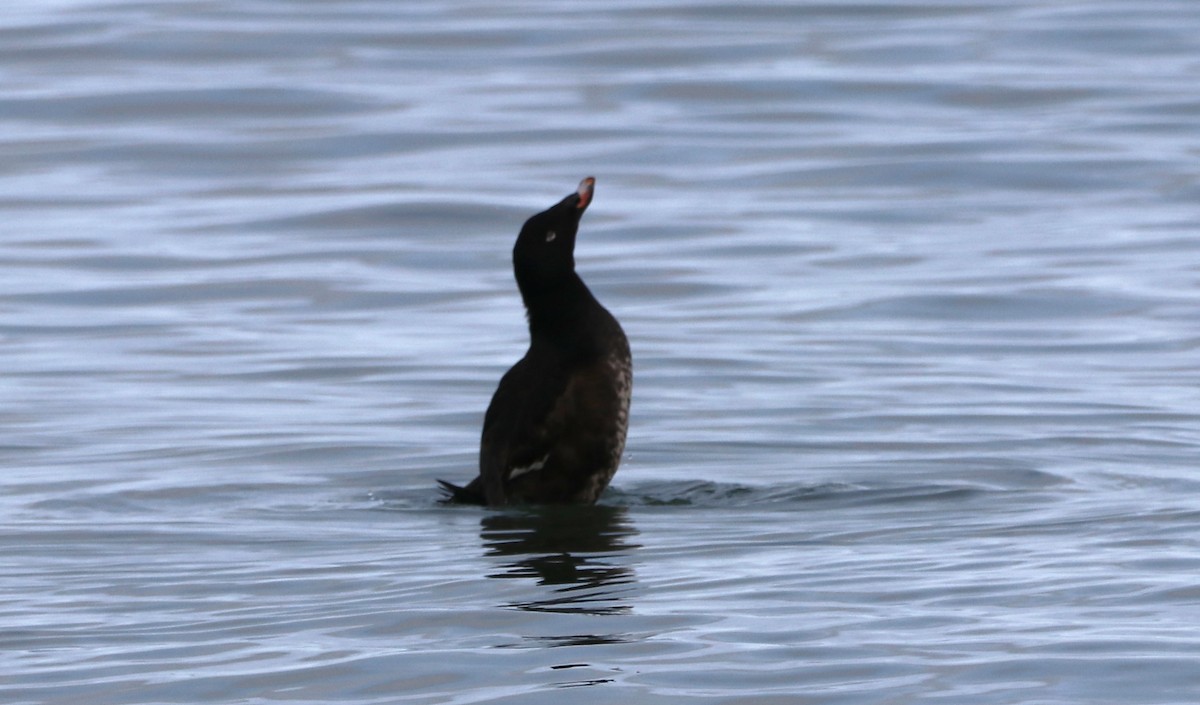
(532, 467)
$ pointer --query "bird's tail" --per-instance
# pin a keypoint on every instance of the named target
(471, 494)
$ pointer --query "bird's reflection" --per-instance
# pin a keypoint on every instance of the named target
(580, 550)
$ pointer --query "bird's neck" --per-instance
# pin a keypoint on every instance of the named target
(557, 309)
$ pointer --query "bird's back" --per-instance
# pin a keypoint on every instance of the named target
(555, 429)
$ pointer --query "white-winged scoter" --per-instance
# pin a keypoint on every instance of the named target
(555, 429)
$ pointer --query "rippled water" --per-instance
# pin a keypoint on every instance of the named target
(912, 289)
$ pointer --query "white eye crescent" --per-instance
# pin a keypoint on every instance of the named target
(550, 235)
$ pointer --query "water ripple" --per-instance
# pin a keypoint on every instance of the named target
(911, 288)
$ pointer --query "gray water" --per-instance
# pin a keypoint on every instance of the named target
(912, 289)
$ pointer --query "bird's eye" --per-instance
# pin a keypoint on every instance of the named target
(550, 235)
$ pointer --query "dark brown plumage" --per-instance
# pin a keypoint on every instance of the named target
(555, 429)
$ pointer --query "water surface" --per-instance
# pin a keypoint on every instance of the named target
(911, 288)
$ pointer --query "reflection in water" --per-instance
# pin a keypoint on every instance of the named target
(575, 548)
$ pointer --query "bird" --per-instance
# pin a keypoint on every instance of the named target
(555, 429)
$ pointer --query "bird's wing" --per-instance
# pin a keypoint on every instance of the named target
(517, 429)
